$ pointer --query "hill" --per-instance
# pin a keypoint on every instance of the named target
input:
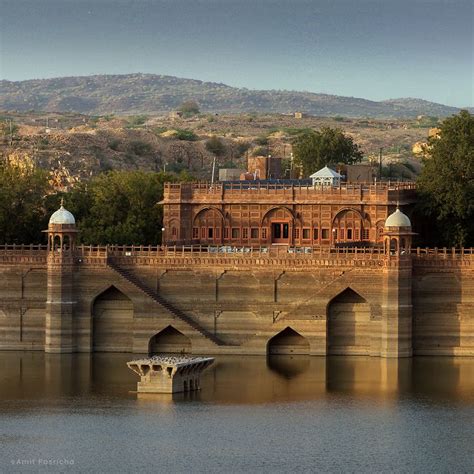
(74, 147)
(158, 94)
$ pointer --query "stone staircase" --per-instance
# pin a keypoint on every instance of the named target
(162, 302)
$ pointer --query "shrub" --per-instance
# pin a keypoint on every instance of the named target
(189, 108)
(262, 141)
(140, 148)
(187, 135)
(136, 121)
(215, 146)
(114, 144)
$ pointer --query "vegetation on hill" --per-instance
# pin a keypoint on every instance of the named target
(152, 94)
(76, 147)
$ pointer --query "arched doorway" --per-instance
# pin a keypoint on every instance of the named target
(112, 316)
(280, 223)
(288, 341)
(169, 341)
(348, 324)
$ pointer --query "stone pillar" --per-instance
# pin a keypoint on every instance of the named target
(396, 329)
(60, 292)
(59, 304)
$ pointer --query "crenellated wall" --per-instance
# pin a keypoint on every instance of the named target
(344, 302)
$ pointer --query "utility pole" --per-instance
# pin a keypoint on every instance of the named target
(11, 131)
(213, 169)
(380, 163)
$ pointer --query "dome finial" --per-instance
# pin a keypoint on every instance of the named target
(62, 216)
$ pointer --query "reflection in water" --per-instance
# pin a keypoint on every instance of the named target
(288, 366)
(254, 414)
(241, 380)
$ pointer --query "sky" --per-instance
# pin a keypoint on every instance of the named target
(375, 49)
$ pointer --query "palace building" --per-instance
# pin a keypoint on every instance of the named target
(321, 211)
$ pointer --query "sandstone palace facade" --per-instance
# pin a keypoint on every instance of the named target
(254, 213)
(247, 268)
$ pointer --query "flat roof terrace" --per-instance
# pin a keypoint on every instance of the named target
(294, 192)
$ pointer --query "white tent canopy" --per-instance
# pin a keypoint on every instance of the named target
(326, 176)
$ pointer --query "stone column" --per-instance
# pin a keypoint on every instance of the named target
(60, 304)
(396, 329)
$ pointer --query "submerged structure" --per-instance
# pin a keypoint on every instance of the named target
(169, 374)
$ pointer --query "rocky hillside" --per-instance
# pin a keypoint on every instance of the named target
(157, 94)
(74, 147)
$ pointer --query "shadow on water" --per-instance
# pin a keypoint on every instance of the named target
(35, 376)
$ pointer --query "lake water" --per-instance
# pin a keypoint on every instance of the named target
(282, 414)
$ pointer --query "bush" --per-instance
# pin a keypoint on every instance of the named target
(114, 144)
(260, 151)
(189, 108)
(187, 135)
(140, 148)
(136, 121)
(262, 141)
(215, 146)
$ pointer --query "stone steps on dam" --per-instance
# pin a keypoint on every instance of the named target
(162, 302)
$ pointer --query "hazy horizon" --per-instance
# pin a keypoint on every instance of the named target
(371, 49)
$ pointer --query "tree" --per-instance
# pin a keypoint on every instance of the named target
(189, 108)
(315, 149)
(119, 207)
(216, 146)
(8, 130)
(23, 215)
(446, 183)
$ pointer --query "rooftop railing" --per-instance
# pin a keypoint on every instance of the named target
(149, 255)
(257, 186)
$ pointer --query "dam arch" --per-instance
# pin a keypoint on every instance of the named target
(169, 341)
(348, 324)
(288, 341)
(112, 321)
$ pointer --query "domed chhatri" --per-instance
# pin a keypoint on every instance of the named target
(62, 216)
(61, 231)
(397, 219)
(397, 234)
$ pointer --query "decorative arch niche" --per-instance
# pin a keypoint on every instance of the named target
(288, 341)
(208, 226)
(169, 341)
(350, 225)
(112, 321)
(349, 325)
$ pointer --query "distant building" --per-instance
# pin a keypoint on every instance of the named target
(264, 167)
(359, 174)
(229, 174)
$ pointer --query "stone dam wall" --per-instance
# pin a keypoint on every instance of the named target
(142, 300)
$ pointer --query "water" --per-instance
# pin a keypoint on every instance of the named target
(284, 414)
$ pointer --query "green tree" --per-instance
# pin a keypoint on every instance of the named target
(315, 149)
(22, 204)
(216, 146)
(119, 207)
(189, 108)
(446, 183)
